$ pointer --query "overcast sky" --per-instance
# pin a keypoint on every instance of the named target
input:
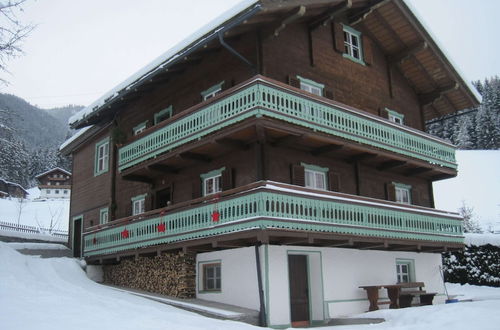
(80, 49)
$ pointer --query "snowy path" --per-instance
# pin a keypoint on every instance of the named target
(55, 294)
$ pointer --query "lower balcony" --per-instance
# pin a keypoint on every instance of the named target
(274, 213)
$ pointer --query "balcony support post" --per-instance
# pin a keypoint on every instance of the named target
(262, 311)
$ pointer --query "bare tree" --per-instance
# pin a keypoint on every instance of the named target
(12, 32)
(470, 223)
(21, 203)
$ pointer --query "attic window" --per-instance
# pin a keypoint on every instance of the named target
(311, 86)
(352, 45)
(163, 115)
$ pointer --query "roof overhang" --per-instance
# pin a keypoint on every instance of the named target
(410, 48)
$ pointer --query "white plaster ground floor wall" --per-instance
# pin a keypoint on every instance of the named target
(334, 277)
(55, 193)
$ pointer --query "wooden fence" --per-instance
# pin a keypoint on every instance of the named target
(10, 226)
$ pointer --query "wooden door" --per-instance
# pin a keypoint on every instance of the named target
(77, 238)
(299, 290)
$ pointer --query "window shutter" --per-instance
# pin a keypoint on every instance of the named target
(293, 81)
(197, 188)
(367, 50)
(334, 181)
(390, 191)
(415, 197)
(298, 175)
(227, 179)
(338, 37)
(328, 93)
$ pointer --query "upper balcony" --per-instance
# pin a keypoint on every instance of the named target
(325, 124)
(275, 213)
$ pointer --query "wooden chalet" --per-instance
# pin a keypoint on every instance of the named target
(11, 189)
(283, 146)
(54, 183)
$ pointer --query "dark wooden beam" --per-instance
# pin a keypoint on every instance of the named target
(361, 156)
(349, 242)
(161, 168)
(361, 15)
(233, 143)
(326, 148)
(138, 178)
(298, 13)
(406, 53)
(261, 134)
(441, 177)
(390, 164)
(383, 245)
(286, 140)
(417, 171)
(431, 97)
(324, 18)
(195, 156)
(388, 28)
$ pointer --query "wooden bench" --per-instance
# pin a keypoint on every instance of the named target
(400, 295)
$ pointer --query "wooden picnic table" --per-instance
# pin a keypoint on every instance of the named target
(397, 297)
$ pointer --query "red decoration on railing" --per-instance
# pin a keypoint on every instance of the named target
(94, 241)
(125, 233)
(161, 228)
(215, 213)
(215, 216)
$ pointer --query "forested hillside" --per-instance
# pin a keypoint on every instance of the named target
(30, 138)
(474, 128)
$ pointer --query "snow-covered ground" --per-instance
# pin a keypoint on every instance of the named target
(36, 212)
(55, 294)
(477, 184)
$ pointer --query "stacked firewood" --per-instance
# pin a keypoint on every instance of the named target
(171, 274)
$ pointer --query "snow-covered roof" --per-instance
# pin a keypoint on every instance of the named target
(14, 184)
(53, 170)
(162, 61)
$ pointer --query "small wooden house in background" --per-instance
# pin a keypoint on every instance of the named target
(54, 183)
(276, 160)
(11, 189)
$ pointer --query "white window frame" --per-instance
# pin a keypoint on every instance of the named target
(311, 86)
(405, 270)
(353, 48)
(213, 283)
(103, 216)
(140, 128)
(214, 178)
(315, 177)
(395, 117)
(402, 193)
(212, 91)
(138, 204)
(101, 157)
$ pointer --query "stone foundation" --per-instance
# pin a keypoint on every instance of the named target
(171, 274)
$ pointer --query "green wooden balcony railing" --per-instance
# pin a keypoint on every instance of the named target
(267, 208)
(262, 98)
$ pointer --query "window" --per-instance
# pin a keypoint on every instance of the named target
(101, 157)
(103, 216)
(315, 176)
(311, 86)
(58, 183)
(48, 191)
(140, 128)
(57, 191)
(395, 117)
(212, 277)
(212, 181)
(352, 45)
(405, 270)
(403, 193)
(162, 115)
(138, 204)
(212, 91)
(65, 191)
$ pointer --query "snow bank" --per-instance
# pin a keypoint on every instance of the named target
(55, 294)
(482, 239)
(36, 212)
(473, 292)
(36, 246)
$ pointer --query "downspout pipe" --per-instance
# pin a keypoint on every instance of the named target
(262, 311)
